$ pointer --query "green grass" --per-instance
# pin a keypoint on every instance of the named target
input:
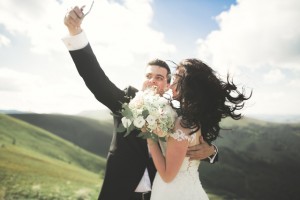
(28, 175)
(27, 136)
(35, 164)
(84, 132)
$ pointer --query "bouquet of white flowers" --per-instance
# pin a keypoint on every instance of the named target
(150, 113)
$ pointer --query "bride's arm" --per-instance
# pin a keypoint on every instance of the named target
(168, 166)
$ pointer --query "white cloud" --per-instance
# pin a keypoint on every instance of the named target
(11, 80)
(4, 41)
(255, 36)
(40, 21)
(274, 76)
(28, 92)
(122, 32)
(18, 89)
(295, 83)
(255, 33)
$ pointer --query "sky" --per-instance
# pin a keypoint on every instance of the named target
(256, 41)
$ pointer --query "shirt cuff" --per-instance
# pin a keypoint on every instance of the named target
(212, 157)
(75, 42)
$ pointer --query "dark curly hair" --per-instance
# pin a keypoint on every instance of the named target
(205, 99)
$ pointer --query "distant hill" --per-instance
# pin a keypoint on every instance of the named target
(279, 118)
(257, 160)
(12, 112)
(101, 115)
(27, 136)
(90, 134)
(35, 164)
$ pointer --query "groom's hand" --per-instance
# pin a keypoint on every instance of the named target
(200, 151)
(73, 20)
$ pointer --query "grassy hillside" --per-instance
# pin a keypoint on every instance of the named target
(36, 164)
(90, 134)
(258, 160)
(25, 174)
(27, 136)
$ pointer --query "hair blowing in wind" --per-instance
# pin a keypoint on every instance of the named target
(205, 99)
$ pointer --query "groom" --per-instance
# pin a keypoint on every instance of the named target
(130, 170)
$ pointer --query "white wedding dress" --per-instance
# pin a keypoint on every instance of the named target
(186, 185)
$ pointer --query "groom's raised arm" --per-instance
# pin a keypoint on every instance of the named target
(87, 65)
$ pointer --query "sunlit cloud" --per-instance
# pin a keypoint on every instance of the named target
(39, 21)
(11, 80)
(295, 83)
(4, 41)
(274, 76)
(259, 43)
(254, 34)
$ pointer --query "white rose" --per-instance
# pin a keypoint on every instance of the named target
(152, 127)
(151, 120)
(162, 101)
(126, 122)
(139, 122)
(170, 111)
(136, 103)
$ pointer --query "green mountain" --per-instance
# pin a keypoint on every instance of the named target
(257, 160)
(90, 134)
(35, 164)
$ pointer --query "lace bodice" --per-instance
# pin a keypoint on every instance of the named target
(179, 135)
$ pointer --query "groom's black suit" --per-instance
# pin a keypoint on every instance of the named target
(128, 156)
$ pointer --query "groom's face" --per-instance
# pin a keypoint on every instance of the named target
(156, 76)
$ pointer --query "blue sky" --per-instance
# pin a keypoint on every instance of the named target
(258, 42)
(183, 22)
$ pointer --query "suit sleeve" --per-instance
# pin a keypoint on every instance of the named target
(95, 79)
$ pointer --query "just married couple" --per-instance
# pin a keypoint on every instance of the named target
(140, 169)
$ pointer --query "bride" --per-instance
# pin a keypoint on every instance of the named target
(204, 100)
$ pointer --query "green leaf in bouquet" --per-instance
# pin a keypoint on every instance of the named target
(127, 133)
(145, 113)
(146, 135)
(129, 129)
(114, 115)
(121, 128)
(162, 139)
(126, 112)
